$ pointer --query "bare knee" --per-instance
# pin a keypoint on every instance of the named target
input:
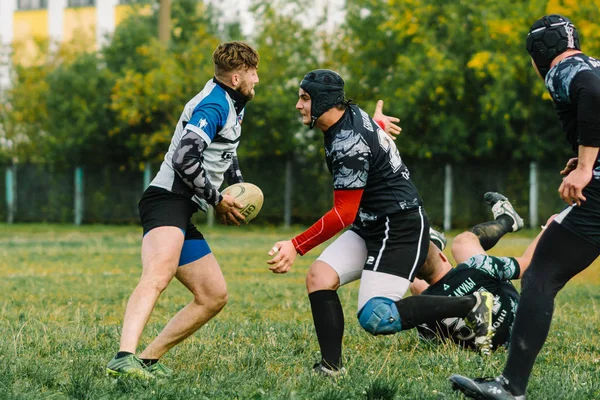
(464, 239)
(219, 301)
(157, 282)
(321, 277)
(214, 301)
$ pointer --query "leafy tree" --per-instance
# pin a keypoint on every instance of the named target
(150, 92)
(286, 54)
(136, 31)
(23, 109)
(79, 118)
(458, 74)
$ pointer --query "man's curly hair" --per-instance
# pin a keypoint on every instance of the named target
(233, 56)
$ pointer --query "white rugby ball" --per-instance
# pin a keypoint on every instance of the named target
(249, 195)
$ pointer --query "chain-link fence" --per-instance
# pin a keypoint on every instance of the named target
(110, 195)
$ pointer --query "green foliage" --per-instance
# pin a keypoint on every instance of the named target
(458, 74)
(137, 31)
(79, 118)
(272, 124)
(455, 71)
(150, 92)
(23, 111)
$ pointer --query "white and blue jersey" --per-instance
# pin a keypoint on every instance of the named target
(203, 148)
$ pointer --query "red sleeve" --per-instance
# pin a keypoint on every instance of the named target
(380, 123)
(343, 213)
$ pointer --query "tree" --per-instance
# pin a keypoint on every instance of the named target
(458, 74)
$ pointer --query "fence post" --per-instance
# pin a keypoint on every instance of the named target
(210, 216)
(533, 195)
(147, 175)
(78, 209)
(288, 190)
(448, 197)
(11, 193)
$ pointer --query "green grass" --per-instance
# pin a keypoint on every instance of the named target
(63, 292)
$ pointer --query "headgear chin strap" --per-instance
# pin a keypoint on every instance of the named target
(549, 37)
(326, 90)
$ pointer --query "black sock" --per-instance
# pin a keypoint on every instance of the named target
(415, 310)
(328, 317)
(490, 232)
(529, 333)
(149, 361)
(122, 354)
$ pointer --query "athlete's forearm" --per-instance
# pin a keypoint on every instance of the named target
(187, 163)
(346, 203)
(587, 157)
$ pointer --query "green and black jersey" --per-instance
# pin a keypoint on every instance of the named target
(478, 273)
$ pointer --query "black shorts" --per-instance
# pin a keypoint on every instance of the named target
(159, 207)
(398, 244)
(584, 220)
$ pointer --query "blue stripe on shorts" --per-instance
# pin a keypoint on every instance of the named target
(193, 249)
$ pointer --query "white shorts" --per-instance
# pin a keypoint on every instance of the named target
(347, 256)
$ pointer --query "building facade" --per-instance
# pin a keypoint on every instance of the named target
(22, 22)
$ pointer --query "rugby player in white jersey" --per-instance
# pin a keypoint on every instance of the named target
(201, 156)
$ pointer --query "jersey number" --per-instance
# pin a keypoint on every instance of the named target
(388, 145)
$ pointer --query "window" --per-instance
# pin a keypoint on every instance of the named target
(31, 4)
(80, 3)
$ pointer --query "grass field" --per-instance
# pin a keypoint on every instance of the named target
(63, 292)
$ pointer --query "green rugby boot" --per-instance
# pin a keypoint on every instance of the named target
(129, 366)
(160, 370)
(479, 319)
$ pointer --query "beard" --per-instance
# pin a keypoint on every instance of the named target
(247, 91)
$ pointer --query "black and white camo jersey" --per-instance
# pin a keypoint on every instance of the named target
(563, 82)
(203, 148)
(478, 273)
(360, 155)
(574, 85)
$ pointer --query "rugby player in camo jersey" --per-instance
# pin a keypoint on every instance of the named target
(476, 271)
(389, 238)
(572, 241)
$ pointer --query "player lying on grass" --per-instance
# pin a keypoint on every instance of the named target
(389, 238)
(476, 271)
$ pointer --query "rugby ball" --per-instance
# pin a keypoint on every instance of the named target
(249, 195)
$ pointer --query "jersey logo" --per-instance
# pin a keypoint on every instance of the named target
(366, 121)
(227, 156)
(465, 288)
(203, 123)
(446, 287)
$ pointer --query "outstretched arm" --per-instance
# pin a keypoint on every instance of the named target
(342, 214)
(387, 123)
